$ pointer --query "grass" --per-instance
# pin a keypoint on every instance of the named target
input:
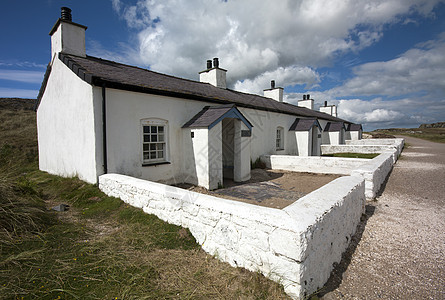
(100, 248)
(430, 134)
(353, 155)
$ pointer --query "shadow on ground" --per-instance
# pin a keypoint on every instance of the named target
(336, 277)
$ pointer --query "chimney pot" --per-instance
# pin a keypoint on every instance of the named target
(304, 97)
(209, 64)
(272, 84)
(216, 62)
(325, 103)
(308, 96)
(66, 14)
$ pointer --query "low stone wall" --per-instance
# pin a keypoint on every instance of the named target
(375, 172)
(397, 142)
(295, 246)
(313, 164)
(331, 149)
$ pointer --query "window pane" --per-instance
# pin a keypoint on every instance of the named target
(146, 138)
(160, 146)
(154, 129)
(160, 154)
(146, 156)
(152, 146)
(153, 155)
(154, 138)
(161, 137)
(161, 129)
(146, 129)
(146, 147)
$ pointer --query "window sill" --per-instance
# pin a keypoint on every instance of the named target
(156, 163)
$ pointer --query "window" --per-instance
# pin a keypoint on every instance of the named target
(154, 141)
(279, 139)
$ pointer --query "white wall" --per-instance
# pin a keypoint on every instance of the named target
(67, 119)
(296, 246)
(374, 171)
(72, 41)
(313, 164)
(124, 112)
(303, 143)
(331, 149)
(126, 109)
(263, 140)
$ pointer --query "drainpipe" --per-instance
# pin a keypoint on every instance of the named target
(104, 129)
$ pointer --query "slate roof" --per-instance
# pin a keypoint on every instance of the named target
(334, 126)
(354, 127)
(304, 124)
(100, 72)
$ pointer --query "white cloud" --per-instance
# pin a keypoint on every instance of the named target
(256, 38)
(289, 76)
(22, 76)
(418, 69)
(287, 41)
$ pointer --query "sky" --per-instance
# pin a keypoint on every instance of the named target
(382, 62)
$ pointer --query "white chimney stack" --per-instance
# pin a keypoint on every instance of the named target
(66, 36)
(275, 93)
(306, 102)
(214, 75)
(329, 109)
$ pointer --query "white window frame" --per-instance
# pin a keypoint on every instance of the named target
(279, 138)
(154, 141)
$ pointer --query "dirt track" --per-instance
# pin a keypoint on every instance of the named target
(399, 250)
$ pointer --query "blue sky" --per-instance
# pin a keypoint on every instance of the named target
(381, 62)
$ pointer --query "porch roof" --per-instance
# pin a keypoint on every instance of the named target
(209, 116)
(334, 126)
(354, 127)
(304, 124)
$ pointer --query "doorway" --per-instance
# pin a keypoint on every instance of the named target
(315, 143)
(228, 147)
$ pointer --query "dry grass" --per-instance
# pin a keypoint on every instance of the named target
(100, 248)
(430, 134)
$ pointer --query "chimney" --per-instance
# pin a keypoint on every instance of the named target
(306, 102)
(66, 14)
(66, 36)
(275, 93)
(329, 109)
(214, 75)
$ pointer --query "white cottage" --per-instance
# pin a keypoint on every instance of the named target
(96, 116)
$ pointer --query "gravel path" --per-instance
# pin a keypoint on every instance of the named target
(399, 249)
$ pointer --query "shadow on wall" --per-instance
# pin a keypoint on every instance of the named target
(336, 277)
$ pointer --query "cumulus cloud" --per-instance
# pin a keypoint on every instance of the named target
(288, 76)
(419, 69)
(256, 38)
(288, 41)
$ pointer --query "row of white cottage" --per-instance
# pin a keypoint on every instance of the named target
(96, 116)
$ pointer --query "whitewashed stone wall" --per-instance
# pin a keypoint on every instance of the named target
(399, 143)
(374, 171)
(296, 246)
(313, 164)
(331, 149)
